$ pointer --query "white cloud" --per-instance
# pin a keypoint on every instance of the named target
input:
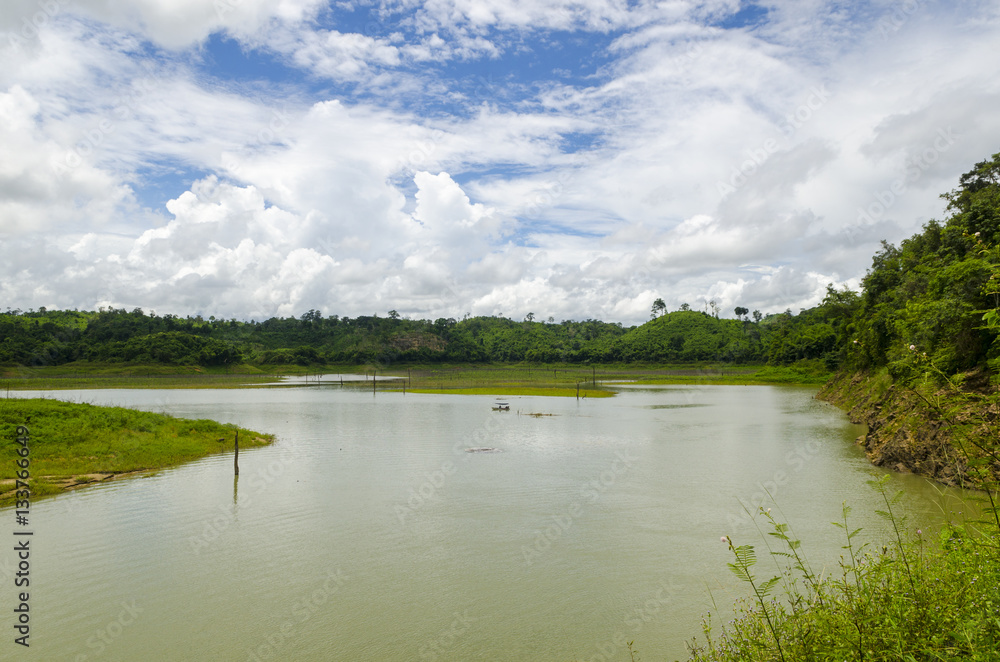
(335, 55)
(40, 187)
(173, 24)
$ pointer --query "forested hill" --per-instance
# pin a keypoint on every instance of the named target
(937, 294)
(118, 336)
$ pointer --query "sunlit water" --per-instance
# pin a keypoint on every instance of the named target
(368, 532)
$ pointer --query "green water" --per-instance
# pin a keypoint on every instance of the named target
(368, 532)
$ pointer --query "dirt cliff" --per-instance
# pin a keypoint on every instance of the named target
(921, 432)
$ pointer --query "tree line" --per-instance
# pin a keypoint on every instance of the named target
(135, 337)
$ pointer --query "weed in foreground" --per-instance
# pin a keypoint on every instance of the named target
(915, 600)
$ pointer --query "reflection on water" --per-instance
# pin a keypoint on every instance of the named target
(368, 532)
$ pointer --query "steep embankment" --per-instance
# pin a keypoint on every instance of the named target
(922, 432)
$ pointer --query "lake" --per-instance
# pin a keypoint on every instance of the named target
(368, 531)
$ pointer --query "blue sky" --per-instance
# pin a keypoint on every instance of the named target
(249, 158)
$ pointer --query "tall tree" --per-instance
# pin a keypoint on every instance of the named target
(659, 307)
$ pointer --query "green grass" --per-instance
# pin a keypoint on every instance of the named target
(72, 443)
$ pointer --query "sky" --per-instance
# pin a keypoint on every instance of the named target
(571, 159)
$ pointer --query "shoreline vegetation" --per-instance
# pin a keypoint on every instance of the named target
(538, 379)
(74, 445)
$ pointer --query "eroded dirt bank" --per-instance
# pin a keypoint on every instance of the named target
(916, 433)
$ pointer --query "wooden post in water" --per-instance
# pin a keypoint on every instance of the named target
(236, 456)
(373, 381)
(594, 373)
(578, 390)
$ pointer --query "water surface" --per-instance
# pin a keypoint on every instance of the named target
(368, 532)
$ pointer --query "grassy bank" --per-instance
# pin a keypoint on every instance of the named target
(75, 444)
(568, 375)
(86, 375)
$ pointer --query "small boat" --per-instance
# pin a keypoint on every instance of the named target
(501, 406)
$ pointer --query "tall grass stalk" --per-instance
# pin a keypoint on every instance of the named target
(880, 486)
(746, 558)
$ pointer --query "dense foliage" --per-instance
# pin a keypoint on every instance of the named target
(683, 336)
(937, 290)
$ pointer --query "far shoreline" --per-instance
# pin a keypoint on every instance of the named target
(557, 379)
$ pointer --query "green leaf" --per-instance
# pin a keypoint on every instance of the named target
(766, 587)
(745, 555)
(740, 571)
